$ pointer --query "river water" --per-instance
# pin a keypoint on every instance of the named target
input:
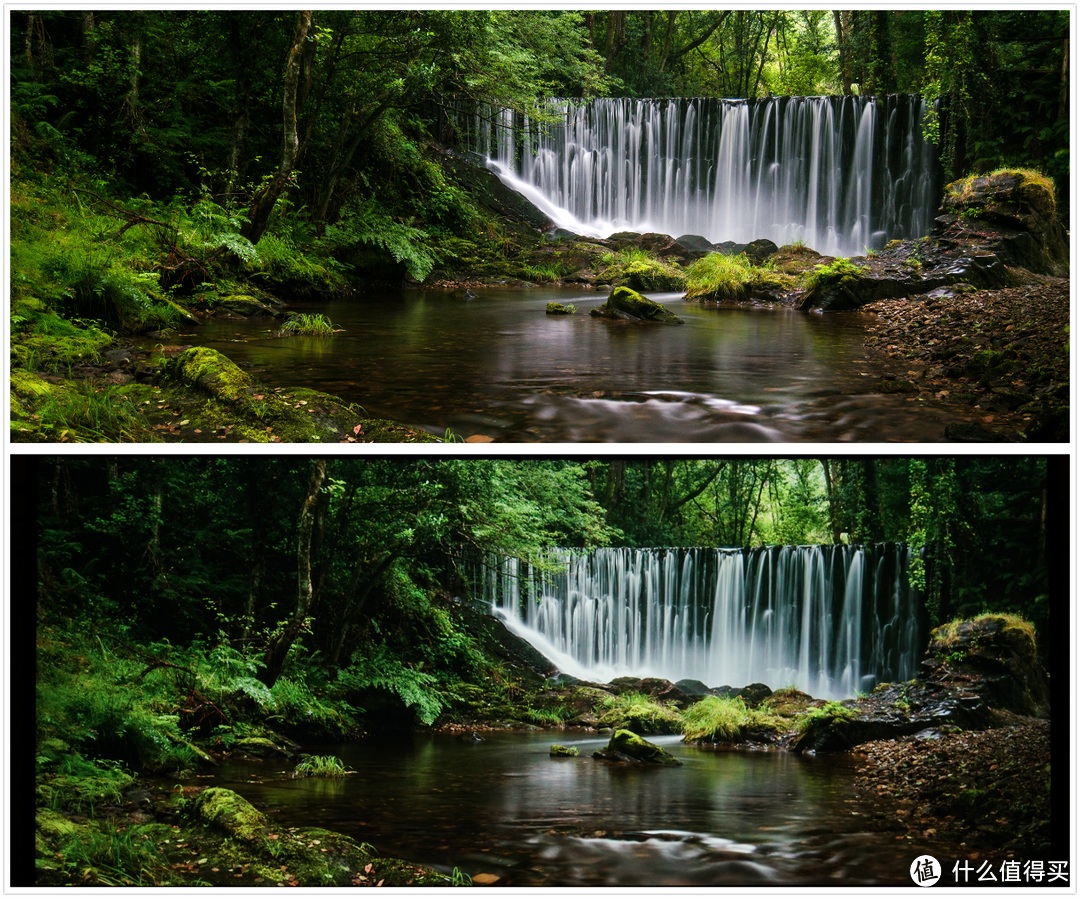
(504, 807)
(497, 366)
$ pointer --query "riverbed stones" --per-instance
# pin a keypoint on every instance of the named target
(624, 304)
(629, 748)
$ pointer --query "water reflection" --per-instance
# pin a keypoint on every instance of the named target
(499, 366)
(504, 806)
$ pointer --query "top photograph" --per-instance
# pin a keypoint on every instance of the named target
(453, 226)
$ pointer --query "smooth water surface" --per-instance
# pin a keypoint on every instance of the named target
(499, 366)
(503, 806)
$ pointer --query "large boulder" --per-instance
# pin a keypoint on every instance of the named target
(996, 656)
(973, 670)
(630, 748)
(1014, 212)
(628, 305)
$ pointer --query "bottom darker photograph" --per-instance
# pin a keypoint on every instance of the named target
(257, 671)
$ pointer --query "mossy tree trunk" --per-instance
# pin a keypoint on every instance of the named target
(263, 204)
(279, 646)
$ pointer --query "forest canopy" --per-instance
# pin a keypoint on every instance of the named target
(349, 554)
(335, 109)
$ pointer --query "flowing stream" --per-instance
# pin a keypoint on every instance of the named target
(504, 807)
(498, 366)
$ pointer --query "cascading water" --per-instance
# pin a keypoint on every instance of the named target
(832, 620)
(841, 174)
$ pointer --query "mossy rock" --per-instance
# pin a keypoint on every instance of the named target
(259, 747)
(643, 275)
(629, 305)
(52, 826)
(245, 306)
(226, 810)
(628, 747)
(561, 751)
(558, 308)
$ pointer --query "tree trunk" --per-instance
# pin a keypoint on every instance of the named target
(263, 203)
(832, 491)
(279, 646)
(31, 19)
(89, 40)
(1063, 102)
(842, 21)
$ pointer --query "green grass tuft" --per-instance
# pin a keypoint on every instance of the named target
(308, 326)
(720, 277)
(717, 719)
(321, 765)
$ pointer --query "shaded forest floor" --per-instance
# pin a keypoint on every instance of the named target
(987, 790)
(1003, 351)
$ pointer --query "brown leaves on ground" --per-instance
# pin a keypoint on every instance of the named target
(986, 789)
(934, 341)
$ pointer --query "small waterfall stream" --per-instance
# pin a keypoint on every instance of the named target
(831, 620)
(841, 174)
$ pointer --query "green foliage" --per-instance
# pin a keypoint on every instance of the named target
(91, 414)
(541, 273)
(313, 325)
(110, 855)
(320, 765)
(381, 670)
(640, 714)
(549, 716)
(369, 223)
(832, 273)
(718, 719)
(826, 715)
(721, 277)
(299, 707)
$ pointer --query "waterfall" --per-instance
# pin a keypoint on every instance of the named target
(841, 174)
(831, 620)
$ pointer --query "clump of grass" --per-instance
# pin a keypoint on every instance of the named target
(320, 765)
(90, 414)
(641, 714)
(717, 719)
(721, 277)
(827, 714)
(549, 716)
(827, 275)
(541, 273)
(308, 325)
(115, 856)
